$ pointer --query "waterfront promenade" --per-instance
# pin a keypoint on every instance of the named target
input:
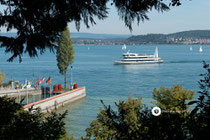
(18, 92)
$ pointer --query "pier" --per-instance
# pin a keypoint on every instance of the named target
(18, 92)
(56, 101)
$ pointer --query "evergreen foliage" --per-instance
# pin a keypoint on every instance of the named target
(133, 121)
(200, 115)
(65, 53)
(121, 124)
(39, 22)
(18, 124)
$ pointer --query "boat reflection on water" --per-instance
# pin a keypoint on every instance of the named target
(139, 66)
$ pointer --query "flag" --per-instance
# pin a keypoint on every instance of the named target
(49, 80)
(42, 80)
(37, 81)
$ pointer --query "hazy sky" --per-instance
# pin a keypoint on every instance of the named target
(191, 15)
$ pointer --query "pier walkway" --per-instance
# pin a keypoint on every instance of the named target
(56, 101)
(22, 92)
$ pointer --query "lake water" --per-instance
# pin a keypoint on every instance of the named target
(94, 69)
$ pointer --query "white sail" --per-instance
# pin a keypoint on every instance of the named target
(200, 50)
(156, 53)
(190, 48)
(124, 47)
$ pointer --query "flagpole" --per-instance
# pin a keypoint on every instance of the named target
(49, 85)
(33, 79)
(49, 82)
(45, 91)
(38, 85)
(27, 94)
(71, 78)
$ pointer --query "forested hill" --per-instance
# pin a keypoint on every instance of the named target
(185, 37)
(192, 34)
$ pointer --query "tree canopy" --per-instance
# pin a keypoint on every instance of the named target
(39, 23)
(16, 123)
(65, 53)
(134, 121)
(173, 98)
(131, 120)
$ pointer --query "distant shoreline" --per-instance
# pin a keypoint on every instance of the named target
(140, 44)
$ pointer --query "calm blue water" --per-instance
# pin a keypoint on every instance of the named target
(94, 69)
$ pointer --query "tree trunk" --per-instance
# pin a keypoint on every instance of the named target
(65, 79)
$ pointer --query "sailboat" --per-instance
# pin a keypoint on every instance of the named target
(190, 48)
(156, 53)
(124, 47)
(200, 50)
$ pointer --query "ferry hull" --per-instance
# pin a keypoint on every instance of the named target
(143, 62)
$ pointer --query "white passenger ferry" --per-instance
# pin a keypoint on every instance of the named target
(134, 58)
